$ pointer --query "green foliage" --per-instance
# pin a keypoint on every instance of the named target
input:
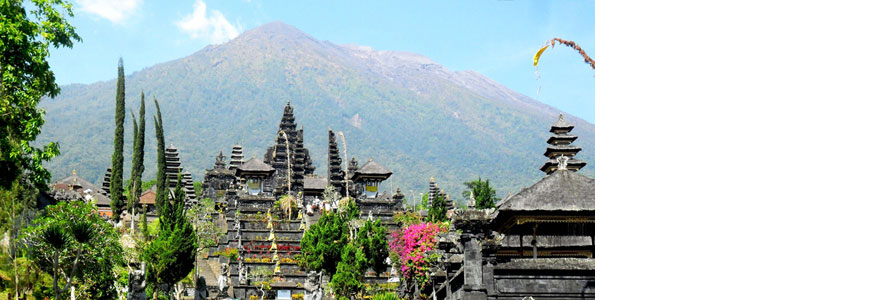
(15, 202)
(201, 216)
(322, 243)
(143, 224)
(148, 184)
(117, 180)
(348, 209)
(347, 281)
(171, 255)
(33, 283)
(424, 202)
(438, 210)
(326, 247)
(386, 296)
(484, 195)
(162, 190)
(26, 34)
(178, 193)
(372, 242)
(197, 189)
(76, 246)
(262, 277)
(405, 218)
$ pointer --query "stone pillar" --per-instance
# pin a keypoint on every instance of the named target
(473, 288)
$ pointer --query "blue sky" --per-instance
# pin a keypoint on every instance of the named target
(495, 38)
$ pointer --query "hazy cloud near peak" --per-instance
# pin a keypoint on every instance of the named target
(116, 11)
(209, 24)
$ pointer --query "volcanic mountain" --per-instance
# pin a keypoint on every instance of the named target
(404, 110)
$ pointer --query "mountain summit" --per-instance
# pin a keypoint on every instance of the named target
(409, 113)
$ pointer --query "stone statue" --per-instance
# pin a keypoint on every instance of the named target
(243, 275)
(136, 288)
(312, 287)
(394, 275)
(222, 280)
(201, 291)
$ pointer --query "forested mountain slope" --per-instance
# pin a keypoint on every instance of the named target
(406, 111)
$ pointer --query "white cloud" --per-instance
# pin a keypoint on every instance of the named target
(213, 26)
(115, 11)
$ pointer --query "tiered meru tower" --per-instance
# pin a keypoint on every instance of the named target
(237, 157)
(289, 152)
(284, 142)
(173, 168)
(560, 146)
(336, 175)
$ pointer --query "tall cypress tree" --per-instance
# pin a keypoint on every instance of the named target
(138, 156)
(117, 180)
(160, 200)
(131, 196)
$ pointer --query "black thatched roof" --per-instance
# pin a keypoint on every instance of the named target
(101, 200)
(561, 191)
(546, 241)
(314, 183)
(552, 164)
(220, 172)
(76, 180)
(568, 138)
(372, 169)
(254, 166)
(568, 150)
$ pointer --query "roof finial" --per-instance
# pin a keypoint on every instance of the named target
(431, 179)
(563, 162)
(74, 171)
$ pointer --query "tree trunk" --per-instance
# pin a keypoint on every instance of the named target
(54, 278)
(15, 265)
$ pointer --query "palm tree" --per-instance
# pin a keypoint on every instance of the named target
(56, 238)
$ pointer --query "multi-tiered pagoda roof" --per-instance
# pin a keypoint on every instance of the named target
(173, 165)
(560, 146)
(236, 157)
(336, 175)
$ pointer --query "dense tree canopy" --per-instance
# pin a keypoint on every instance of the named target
(25, 39)
(323, 243)
(437, 209)
(171, 255)
(482, 192)
(372, 242)
(348, 278)
(73, 243)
